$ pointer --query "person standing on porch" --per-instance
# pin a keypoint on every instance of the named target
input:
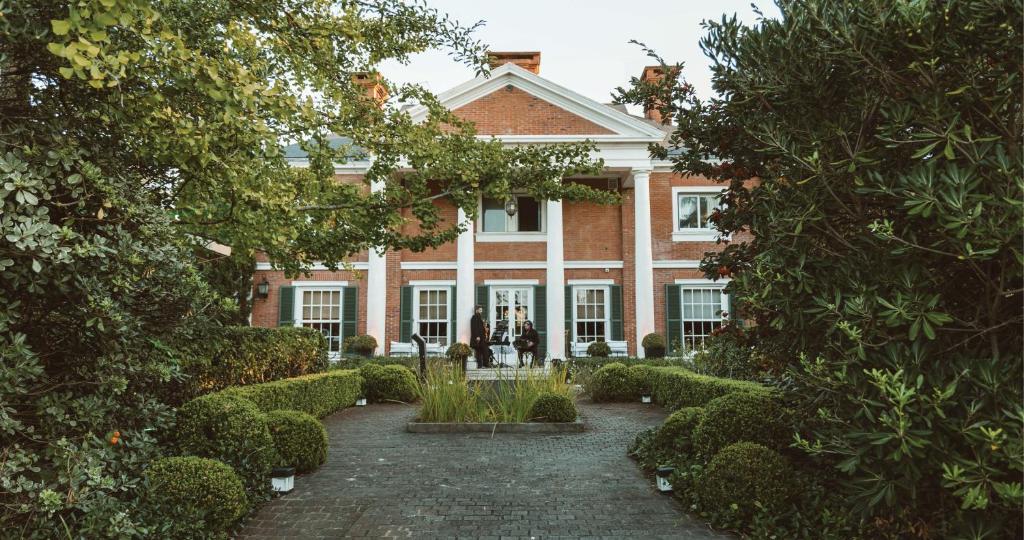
(478, 338)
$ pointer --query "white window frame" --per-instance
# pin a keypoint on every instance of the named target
(607, 309)
(416, 307)
(724, 307)
(510, 221)
(692, 234)
(531, 302)
(303, 287)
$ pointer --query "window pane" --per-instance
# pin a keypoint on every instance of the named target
(528, 214)
(494, 215)
(707, 205)
(687, 212)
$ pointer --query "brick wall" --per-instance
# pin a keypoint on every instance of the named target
(265, 310)
(511, 111)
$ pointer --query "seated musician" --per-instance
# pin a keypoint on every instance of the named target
(528, 342)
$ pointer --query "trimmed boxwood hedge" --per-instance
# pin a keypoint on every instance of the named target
(741, 416)
(223, 357)
(198, 497)
(230, 429)
(388, 383)
(675, 435)
(741, 476)
(599, 349)
(299, 438)
(552, 407)
(318, 395)
(675, 387)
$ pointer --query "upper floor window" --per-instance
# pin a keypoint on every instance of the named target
(693, 208)
(528, 218)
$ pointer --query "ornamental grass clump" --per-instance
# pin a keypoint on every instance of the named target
(445, 397)
(511, 399)
(299, 439)
(197, 497)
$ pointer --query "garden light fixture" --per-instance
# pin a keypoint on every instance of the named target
(282, 480)
(263, 288)
(663, 473)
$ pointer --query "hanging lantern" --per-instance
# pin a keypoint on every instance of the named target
(263, 288)
(511, 206)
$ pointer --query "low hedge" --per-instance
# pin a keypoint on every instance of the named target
(197, 497)
(230, 429)
(388, 383)
(741, 416)
(675, 387)
(742, 477)
(319, 395)
(299, 438)
(223, 357)
(552, 407)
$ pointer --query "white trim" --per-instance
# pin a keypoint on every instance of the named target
(511, 265)
(695, 236)
(318, 267)
(432, 283)
(703, 281)
(677, 263)
(593, 264)
(429, 265)
(510, 74)
(607, 308)
(416, 288)
(315, 284)
(485, 237)
(591, 282)
(511, 282)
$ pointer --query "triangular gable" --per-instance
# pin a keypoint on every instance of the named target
(507, 102)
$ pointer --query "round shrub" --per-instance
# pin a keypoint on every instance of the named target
(457, 352)
(639, 379)
(613, 383)
(552, 407)
(363, 345)
(388, 383)
(196, 495)
(299, 438)
(654, 346)
(675, 436)
(742, 474)
(741, 416)
(231, 429)
(599, 349)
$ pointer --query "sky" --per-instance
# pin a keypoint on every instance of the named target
(584, 44)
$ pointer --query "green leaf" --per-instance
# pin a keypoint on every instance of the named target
(55, 48)
(60, 27)
(36, 267)
(67, 72)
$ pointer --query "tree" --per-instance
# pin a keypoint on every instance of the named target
(885, 140)
(130, 130)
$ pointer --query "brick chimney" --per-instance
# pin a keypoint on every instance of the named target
(528, 60)
(373, 84)
(653, 75)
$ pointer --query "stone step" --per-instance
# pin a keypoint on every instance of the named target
(505, 373)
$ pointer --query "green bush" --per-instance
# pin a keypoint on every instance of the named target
(552, 407)
(612, 383)
(727, 354)
(197, 497)
(654, 346)
(599, 349)
(675, 436)
(457, 352)
(232, 430)
(221, 357)
(388, 383)
(741, 416)
(741, 477)
(675, 387)
(363, 345)
(319, 395)
(299, 438)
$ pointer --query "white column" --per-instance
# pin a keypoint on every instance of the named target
(555, 282)
(376, 291)
(644, 256)
(465, 286)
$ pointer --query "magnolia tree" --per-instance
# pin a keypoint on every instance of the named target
(129, 130)
(885, 269)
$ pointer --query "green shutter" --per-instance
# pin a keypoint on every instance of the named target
(540, 319)
(673, 318)
(453, 303)
(482, 296)
(405, 315)
(349, 311)
(286, 306)
(616, 307)
(568, 314)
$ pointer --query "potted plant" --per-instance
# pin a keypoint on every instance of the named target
(363, 345)
(599, 349)
(459, 353)
(654, 346)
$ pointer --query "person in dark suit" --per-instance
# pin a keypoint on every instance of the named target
(478, 338)
(529, 342)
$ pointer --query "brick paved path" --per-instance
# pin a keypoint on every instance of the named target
(382, 482)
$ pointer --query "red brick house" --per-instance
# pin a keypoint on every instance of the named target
(581, 272)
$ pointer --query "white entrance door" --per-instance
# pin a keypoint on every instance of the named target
(512, 306)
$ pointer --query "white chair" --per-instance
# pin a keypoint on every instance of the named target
(401, 348)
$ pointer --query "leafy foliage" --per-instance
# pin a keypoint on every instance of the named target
(363, 345)
(742, 416)
(553, 407)
(599, 349)
(319, 394)
(388, 383)
(654, 345)
(743, 476)
(676, 387)
(886, 251)
(299, 439)
(197, 497)
(457, 352)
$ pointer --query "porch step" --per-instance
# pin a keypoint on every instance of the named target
(505, 373)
